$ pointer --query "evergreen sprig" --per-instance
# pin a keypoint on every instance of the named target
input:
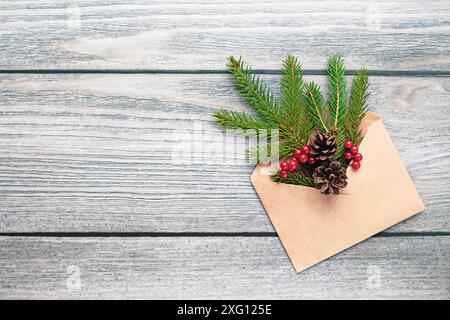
(239, 120)
(291, 84)
(255, 92)
(296, 116)
(337, 101)
(357, 107)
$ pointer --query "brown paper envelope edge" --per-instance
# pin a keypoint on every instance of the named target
(314, 227)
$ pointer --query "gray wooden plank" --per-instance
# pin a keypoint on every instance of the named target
(225, 268)
(94, 153)
(386, 35)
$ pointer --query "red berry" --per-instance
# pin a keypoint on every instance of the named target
(293, 164)
(297, 153)
(356, 165)
(311, 161)
(354, 150)
(284, 165)
(348, 144)
(283, 174)
(358, 157)
(303, 158)
(305, 150)
(348, 155)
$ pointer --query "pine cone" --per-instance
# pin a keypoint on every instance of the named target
(323, 146)
(330, 177)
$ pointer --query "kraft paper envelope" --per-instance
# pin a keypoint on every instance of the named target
(313, 226)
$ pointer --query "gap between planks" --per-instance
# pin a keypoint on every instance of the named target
(192, 234)
(312, 72)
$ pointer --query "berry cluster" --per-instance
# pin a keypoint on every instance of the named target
(292, 164)
(352, 155)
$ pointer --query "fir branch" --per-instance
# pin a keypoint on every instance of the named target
(255, 92)
(296, 116)
(297, 178)
(239, 120)
(358, 106)
(314, 102)
(337, 92)
(291, 84)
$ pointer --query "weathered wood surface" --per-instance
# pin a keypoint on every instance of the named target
(385, 35)
(219, 267)
(94, 153)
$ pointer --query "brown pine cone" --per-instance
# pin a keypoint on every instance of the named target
(330, 177)
(323, 146)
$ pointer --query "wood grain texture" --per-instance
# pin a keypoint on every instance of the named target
(385, 35)
(225, 268)
(100, 153)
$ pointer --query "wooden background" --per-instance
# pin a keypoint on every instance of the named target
(96, 95)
